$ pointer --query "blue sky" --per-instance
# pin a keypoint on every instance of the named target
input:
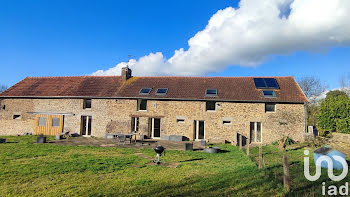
(68, 38)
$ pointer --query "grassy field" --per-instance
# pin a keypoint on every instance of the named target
(28, 169)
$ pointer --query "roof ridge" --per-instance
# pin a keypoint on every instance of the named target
(82, 76)
(214, 77)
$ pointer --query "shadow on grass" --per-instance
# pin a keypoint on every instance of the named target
(195, 159)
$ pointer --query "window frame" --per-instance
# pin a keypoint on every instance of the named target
(269, 96)
(149, 91)
(85, 104)
(139, 103)
(59, 122)
(16, 116)
(44, 122)
(162, 94)
(274, 107)
(211, 95)
(206, 106)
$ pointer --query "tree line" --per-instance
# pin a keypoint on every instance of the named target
(329, 114)
(2, 88)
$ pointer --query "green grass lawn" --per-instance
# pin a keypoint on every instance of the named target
(28, 169)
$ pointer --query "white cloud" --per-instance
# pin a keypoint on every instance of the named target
(248, 35)
(323, 95)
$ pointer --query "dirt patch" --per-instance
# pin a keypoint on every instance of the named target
(164, 164)
(151, 163)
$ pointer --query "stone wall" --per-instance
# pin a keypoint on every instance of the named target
(287, 120)
(26, 123)
(114, 116)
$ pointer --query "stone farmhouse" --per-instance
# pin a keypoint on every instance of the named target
(262, 109)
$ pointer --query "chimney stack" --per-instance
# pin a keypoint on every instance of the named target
(126, 73)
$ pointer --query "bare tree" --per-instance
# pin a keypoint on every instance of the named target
(311, 86)
(2, 88)
(344, 81)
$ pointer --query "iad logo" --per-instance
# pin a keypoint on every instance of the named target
(329, 161)
(332, 189)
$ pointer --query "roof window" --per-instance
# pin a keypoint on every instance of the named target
(211, 92)
(162, 91)
(269, 93)
(145, 91)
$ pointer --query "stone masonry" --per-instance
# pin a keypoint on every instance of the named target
(114, 116)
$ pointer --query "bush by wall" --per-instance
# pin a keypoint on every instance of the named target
(334, 114)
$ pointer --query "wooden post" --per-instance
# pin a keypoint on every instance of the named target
(260, 156)
(248, 142)
(235, 141)
(240, 142)
(286, 177)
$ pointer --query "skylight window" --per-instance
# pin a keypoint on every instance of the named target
(162, 91)
(211, 92)
(145, 91)
(269, 93)
(266, 83)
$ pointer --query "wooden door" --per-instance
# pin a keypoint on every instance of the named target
(48, 124)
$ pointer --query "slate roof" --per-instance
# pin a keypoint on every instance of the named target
(179, 88)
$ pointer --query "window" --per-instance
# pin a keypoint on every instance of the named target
(42, 121)
(55, 122)
(270, 107)
(16, 116)
(210, 105)
(4, 107)
(87, 104)
(211, 92)
(145, 91)
(141, 105)
(269, 93)
(180, 120)
(266, 83)
(162, 91)
(226, 122)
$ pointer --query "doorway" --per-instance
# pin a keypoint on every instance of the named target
(255, 131)
(198, 130)
(85, 129)
(154, 127)
(48, 124)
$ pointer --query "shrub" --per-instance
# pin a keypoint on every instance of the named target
(334, 115)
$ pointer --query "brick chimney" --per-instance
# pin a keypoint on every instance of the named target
(126, 73)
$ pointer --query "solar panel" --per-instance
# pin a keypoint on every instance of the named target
(266, 83)
(271, 83)
(259, 83)
(161, 91)
(145, 91)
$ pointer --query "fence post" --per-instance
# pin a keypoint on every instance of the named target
(260, 156)
(240, 142)
(286, 176)
(248, 142)
(235, 143)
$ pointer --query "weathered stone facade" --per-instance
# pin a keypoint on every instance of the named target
(114, 115)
